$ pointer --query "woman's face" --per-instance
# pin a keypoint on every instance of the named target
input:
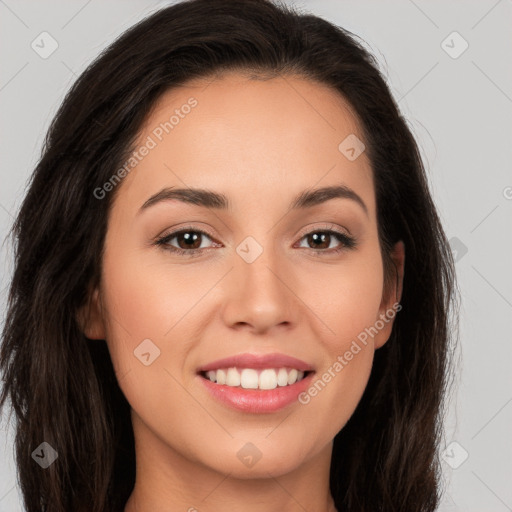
(269, 276)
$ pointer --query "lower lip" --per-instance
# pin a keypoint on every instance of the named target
(257, 400)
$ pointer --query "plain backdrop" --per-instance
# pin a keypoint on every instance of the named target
(456, 92)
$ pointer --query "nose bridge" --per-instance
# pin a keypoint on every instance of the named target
(258, 294)
(257, 265)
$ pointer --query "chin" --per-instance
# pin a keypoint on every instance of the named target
(256, 460)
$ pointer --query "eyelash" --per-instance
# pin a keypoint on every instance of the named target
(347, 242)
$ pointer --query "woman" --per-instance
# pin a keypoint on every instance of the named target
(231, 285)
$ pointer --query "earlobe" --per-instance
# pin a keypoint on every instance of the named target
(390, 305)
(90, 317)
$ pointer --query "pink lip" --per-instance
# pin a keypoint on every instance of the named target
(257, 400)
(257, 361)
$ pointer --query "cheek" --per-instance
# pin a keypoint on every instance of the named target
(149, 299)
(147, 340)
(347, 306)
(349, 309)
(140, 310)
(346, 300)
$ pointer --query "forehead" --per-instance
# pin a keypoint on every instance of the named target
(248, 137)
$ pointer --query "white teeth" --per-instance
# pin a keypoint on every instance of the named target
(221, 377)
(282, 377)
(249, 378)
(292, 376)
(233, 377)
(268, 379)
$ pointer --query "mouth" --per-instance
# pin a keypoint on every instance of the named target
(256, 383)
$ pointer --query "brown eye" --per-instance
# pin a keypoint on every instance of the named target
(321, 240)
(188, 241)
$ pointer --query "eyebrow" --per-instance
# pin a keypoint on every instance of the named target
(218, 201)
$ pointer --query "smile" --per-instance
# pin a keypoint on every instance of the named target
(256, 383)
(250, 378)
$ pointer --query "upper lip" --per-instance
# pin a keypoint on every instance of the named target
(257, 361)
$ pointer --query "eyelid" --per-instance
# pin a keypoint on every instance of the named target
(326, 227)
(182, 229)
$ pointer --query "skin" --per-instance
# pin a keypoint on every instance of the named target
(260, 143)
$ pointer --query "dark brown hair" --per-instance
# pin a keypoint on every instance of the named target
(62, 386)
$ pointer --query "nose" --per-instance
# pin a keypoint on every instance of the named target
(259, 295)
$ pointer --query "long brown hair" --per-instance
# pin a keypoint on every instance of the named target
(62, 386)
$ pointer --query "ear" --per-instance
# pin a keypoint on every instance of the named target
(90, 317)
(390, 305)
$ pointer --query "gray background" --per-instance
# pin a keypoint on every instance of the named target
(459, 110)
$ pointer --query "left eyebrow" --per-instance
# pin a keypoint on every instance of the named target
(218, 201)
